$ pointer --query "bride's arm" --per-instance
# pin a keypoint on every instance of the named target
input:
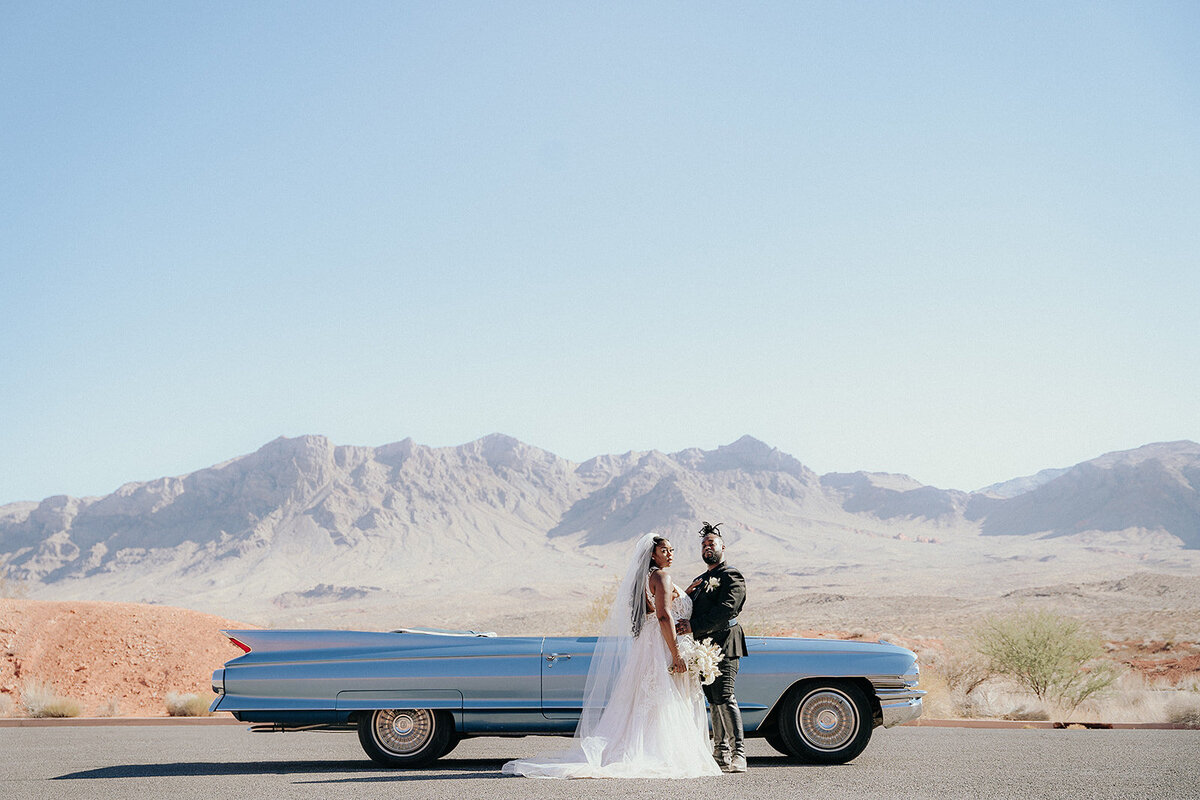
(659, 581)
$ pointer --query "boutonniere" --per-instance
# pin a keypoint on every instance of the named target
(712, 583)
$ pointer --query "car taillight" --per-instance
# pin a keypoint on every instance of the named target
(241, 645)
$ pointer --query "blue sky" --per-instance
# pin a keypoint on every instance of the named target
(945, 239)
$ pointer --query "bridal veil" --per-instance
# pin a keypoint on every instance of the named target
(637, 720)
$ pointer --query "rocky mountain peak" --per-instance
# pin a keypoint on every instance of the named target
(308, 448)
(396, 453)
(752, 455)
(500, 451)
(1170, 454)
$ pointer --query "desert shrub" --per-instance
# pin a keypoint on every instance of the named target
(1050, 655)
(938, 702)
(40, 700)
(109, 708)
(1185, 714)
(187, 705)
(1027, 714)
(589, 622)
(1136, 698)
(964, 670)
(954, 674)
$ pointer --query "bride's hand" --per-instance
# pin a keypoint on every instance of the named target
(695, 584)
(678, 665)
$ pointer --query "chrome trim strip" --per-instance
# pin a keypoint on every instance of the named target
(443, 632)
(898, 694)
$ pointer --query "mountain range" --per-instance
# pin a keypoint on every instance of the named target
(502, 531)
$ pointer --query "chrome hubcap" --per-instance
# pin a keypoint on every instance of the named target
(403, 732)
(827, 719)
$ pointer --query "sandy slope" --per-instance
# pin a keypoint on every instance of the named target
(94, 652)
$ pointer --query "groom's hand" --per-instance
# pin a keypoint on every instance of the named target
(683, 626)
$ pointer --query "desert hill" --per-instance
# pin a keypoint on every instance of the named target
(98, 653)
(497, 533)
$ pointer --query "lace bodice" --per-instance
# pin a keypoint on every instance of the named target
(681, 604)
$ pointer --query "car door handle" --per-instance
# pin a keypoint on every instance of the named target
(555, 656)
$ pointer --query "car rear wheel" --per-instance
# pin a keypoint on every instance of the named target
(405, 737)
(826, 722)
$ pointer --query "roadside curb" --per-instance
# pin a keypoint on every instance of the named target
(101, 722)
(1045, 725)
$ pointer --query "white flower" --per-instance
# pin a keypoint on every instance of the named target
(712, 583)
(701, 659)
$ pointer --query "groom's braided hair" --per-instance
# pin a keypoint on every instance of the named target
(711, 530)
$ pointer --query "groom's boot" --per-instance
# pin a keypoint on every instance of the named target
(720, 735)
(733, 727)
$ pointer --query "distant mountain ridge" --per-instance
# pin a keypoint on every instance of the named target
(1155, 487)
(301, 519)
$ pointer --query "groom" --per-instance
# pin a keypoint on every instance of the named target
(717, 597)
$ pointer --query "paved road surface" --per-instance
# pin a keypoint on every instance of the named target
(126, 763)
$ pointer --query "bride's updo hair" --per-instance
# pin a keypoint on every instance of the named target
(658, 540)
(639, 603)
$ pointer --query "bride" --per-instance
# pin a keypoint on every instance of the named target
(643, 714)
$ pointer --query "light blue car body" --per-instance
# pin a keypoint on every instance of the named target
(512, 686)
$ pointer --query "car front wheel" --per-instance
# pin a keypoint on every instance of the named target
(826, 722)
(776, 740)
(405, 737)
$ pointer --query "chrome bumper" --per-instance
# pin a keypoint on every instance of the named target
(899, 707)
(898, 695)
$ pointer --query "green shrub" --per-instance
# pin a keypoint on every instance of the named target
(1050, 655)
(187, 705)
(40, 700)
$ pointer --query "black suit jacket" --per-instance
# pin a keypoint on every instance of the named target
(713, 608)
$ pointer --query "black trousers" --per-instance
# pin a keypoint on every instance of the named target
(721, 690)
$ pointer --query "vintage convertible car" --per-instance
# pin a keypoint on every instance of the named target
(413, 694)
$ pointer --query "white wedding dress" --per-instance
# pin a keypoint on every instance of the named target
(653, 726)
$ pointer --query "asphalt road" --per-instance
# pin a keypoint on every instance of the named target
(136, 763)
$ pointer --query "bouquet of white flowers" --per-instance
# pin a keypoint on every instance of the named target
(701, 658)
